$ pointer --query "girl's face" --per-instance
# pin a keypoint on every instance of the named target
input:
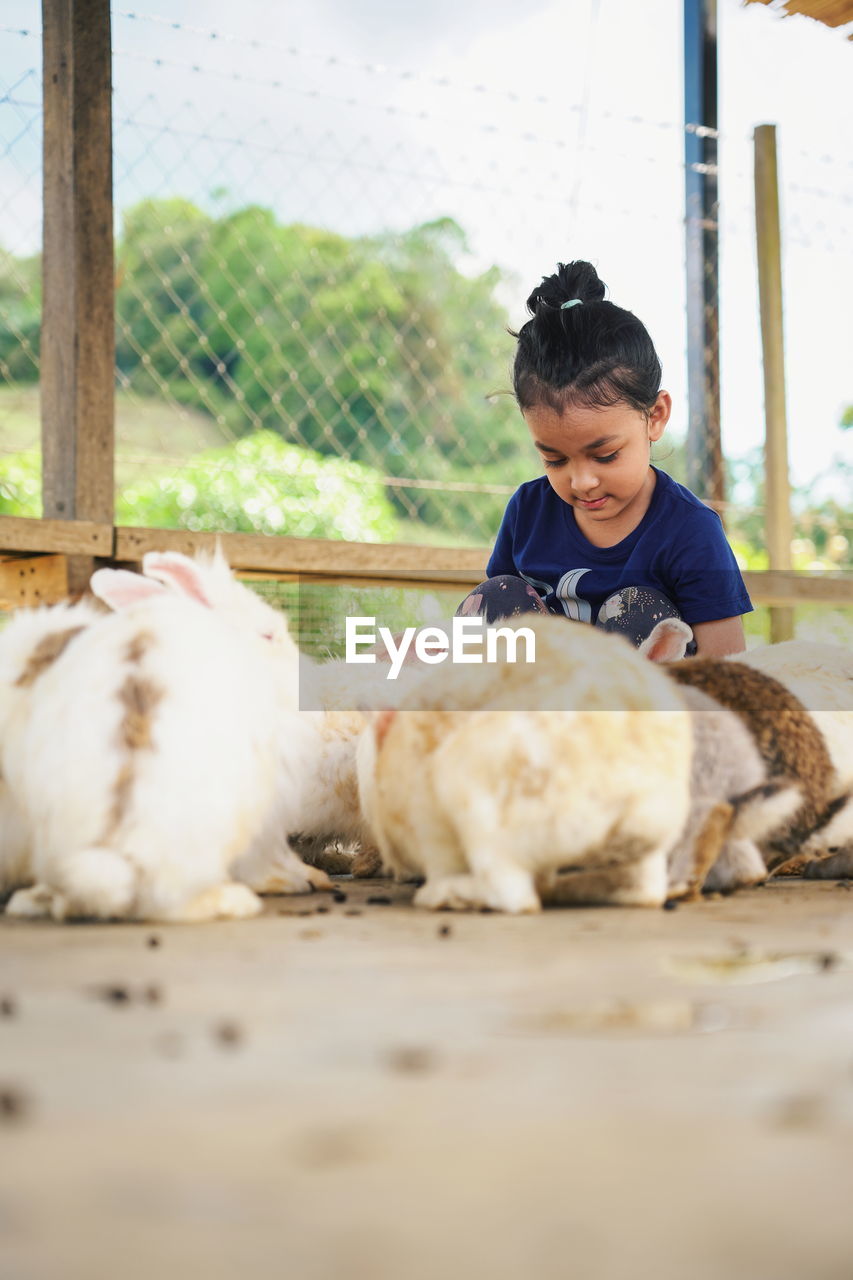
(597, 460)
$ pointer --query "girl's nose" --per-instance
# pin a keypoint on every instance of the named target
(584, 480)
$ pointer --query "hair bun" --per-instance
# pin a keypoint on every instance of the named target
(570, 280)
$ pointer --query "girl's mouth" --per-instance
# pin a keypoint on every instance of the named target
(593, 505)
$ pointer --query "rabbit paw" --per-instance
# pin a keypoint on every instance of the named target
(229, 901)
(511, 893)
(35, 903)
(286, 873)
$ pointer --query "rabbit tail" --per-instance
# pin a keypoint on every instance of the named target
(95, 882)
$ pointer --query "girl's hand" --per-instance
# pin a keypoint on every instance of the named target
(719, 638)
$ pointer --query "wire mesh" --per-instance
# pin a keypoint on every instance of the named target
(318, 259)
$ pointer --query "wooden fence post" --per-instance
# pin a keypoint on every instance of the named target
(777, 497)
(78, 309)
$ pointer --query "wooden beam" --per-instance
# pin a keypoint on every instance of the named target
(777, 494)
(33, 580)
(786, 589)
(72, 537)
(392, 561)
(78, 314)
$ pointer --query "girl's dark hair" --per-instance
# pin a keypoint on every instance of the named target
(596, 354)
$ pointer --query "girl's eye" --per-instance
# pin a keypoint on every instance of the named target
(611, 457)
(554, 462)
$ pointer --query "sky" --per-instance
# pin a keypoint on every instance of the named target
(550, 131)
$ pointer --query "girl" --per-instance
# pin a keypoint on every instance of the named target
(604, 537)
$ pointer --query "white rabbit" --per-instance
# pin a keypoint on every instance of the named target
(318, 747)
(149, 757)
(29, 645)
(493, 781)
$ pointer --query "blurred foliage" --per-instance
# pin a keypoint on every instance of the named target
(311, 347)
(374, 348)
(20, 483)
(262, 485)
(258, 485)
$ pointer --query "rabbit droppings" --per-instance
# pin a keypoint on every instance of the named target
(148, 759)
(507, 784)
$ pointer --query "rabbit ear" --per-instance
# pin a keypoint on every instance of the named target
(119, 588)
(667, 641)
(178, 571)
(382, 721)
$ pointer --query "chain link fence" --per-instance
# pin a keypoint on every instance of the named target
(319, 259)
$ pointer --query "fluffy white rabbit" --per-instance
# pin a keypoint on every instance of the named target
(495, 781)
(148, 761)
(322, 750)
(30, 643)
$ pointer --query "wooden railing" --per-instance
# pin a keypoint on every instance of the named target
(33, 556)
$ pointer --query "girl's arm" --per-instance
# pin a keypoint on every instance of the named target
(719, 638)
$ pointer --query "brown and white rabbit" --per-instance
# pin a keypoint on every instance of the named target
(494, 781)
(820, 676)
(788, 740)
(148, 759)
(735, 802)
(30, 643)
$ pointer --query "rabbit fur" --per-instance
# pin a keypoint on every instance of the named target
(318, 746)
(735, 801)
(149, 758)
(821, 677)
(492, 779)
(29, 644)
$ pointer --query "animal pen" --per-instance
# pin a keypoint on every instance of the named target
(344, 1086)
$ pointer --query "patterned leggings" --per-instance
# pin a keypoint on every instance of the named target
(633, 611)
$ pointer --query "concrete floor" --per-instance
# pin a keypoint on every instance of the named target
(355, 1089)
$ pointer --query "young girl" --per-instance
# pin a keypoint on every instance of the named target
(604, 537)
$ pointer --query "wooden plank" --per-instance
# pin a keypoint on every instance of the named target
(313, 555)
(78, 317)
(786, 589)
(72, 537)
(458, 582)
(33, 580)
(777, 495)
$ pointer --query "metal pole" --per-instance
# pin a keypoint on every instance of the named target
(704, 451)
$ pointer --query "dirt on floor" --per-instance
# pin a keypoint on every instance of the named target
(348, 1087)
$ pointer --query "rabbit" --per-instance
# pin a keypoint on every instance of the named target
(788, 740)
(149, 758)
(29, 645)
(318, 793)
(734, 799)
(821, 677)
(491, 780)
(733, 804)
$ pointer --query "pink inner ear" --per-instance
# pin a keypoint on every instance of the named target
(667, 641)
(381, 724)
(119, 587)
(176, 571)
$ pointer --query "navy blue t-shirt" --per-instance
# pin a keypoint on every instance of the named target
(679, 548)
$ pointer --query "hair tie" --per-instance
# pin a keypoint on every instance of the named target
(572, 302)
